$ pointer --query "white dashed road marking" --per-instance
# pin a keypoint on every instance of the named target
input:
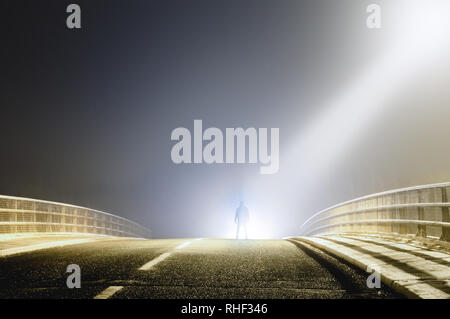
(183, 245)
(108, 292)
(160, 258)
(155, 261)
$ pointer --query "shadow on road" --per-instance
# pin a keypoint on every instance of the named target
(350, 278)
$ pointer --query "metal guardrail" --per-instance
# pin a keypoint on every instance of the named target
(421, 210)
(25, 215)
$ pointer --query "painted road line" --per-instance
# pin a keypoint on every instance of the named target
(155, 261)
(108, 292)
(187, 243)
(160, 258)
(52, 244)
(183, 245)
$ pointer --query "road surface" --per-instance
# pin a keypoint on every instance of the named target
(185, 268)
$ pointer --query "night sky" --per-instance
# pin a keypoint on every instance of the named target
(86, 115)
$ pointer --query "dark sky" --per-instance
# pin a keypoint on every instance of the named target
(86, 115)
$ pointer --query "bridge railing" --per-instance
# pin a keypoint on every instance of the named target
(25, 215)
(421, 210)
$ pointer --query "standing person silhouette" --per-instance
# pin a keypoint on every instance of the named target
(241, 219)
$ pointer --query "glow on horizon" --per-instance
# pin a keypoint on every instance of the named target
(260, 225)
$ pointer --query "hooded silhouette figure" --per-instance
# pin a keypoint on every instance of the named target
(241, 219)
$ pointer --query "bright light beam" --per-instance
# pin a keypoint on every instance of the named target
(422, 31)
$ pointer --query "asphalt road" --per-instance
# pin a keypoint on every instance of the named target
(186, 268)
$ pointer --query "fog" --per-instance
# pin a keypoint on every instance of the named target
(87, 114)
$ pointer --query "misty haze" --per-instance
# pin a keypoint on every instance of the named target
(87, 114)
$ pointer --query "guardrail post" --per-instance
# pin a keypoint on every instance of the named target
(16, 216)
(421, 229)
(403, 228)
(445, 216)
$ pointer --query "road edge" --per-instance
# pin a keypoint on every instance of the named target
(388, 281)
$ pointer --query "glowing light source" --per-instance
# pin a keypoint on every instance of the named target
(260, 225)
